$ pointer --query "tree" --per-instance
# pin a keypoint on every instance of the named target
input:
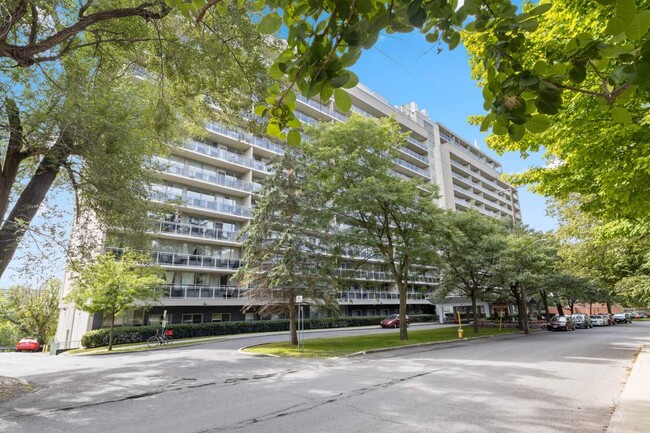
(598, 145)
(395, 220)
(471, 252)
(112, 284)
(33, 311)
(286, 243)
(88, 100)
(523, 265)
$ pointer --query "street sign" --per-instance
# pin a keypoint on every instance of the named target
(299, 298)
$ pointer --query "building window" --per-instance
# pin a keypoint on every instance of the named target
(220, 317)
(156, 319)
(192, 318)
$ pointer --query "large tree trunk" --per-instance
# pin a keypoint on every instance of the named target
(13, 155)
(403, 331)
(14, 227)
(545, 301)
(514, 290)
(560, 308)
(571, 304)
(293, 328)
(609, 307)
(110, 332)
(474, 314)
(524, 309)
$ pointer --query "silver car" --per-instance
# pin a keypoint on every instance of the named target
(582, 321)
(599, 320)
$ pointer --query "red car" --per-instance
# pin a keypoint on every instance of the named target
(392, 321)
(28, 345)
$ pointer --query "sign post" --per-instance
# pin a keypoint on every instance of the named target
(301, 321)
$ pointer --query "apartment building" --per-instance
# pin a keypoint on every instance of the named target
(213, 184)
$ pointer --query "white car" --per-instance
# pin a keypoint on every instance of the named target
(598, 320)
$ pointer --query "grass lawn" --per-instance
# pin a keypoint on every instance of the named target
(341, 346)
(141, 347)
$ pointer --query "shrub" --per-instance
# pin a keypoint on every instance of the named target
(139, 334)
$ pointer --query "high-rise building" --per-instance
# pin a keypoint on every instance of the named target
(213, 183)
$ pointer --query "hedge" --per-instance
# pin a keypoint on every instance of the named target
(138, 334)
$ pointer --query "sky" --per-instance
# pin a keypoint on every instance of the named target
(402, 68)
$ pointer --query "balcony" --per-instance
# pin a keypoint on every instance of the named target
(411, 153)
(215, 206)
(195, 291)
(167, 259)
(456, 143)
(195, 231)
(418, 143)
(208, 176)
(361, 274)
(244, 137)
(354, 295)
(304, 118)
(411, 167)
(322, 108)
(224, 155)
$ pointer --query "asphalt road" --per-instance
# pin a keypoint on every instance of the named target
(545, 382)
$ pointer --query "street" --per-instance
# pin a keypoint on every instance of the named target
(545, 382)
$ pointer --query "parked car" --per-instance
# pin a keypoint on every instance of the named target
(392, 321)
(622, 318)
(610, 319)
(599, 320)
(28, 345)
(558, 323)
(582, 321)
(636, 315)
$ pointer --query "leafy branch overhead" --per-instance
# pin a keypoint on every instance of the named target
(324, 38)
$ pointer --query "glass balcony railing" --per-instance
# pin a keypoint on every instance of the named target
(217, 206)
(225, 155)
(353, 295)
(208, 176)
(305, 118)
(362, 274)
(163, 258)
(195, 231)
(244, 137)
(322, 108)
(196, 291)
(411, 167)
(415, 155)
(418, 143)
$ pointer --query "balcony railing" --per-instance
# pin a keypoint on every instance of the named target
(415, 155)
(456, 143)
(362, 274)
(372, 295)
(362, 112)
(195, 291)
(233, 209)
(417, 142)
(305, 118)
(244, 137)
(225, 155)
(322, 108)
(208, 176)
(163, 258)
(196, 231)
(411, 167)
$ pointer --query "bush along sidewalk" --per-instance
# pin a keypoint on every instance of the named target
(140, 334)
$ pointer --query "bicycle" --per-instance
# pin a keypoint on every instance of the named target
(161, 339)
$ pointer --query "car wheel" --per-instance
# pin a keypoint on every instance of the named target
(395, 325)
(17, 350)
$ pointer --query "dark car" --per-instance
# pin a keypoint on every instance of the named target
(622, 318)
(582, 321)
(561, 323)
(28, 345)
(392, 321)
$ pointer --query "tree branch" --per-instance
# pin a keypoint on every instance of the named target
(12, 18)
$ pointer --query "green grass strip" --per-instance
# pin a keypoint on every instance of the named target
(342, 346)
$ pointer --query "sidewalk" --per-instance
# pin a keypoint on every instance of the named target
(633, 411)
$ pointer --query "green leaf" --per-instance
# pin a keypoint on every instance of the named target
(516, 132)
(538, 123)
(270, 23)
(342, 100)
(625, 13)
(273, 129)
(578, 73)
(621, 115)
(433, 36)
(275, 72)
(639, 26)
(487, 120)
(539, 67)
(353, 80)
(416, 14)
(260, 110)
(293, 138)
(540, 9)
(529, 25)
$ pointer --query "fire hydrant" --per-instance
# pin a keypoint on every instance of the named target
(460, 332)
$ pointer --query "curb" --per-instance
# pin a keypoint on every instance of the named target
(631, 413)
(436, 345)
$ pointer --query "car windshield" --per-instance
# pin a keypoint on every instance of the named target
(558, 319)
